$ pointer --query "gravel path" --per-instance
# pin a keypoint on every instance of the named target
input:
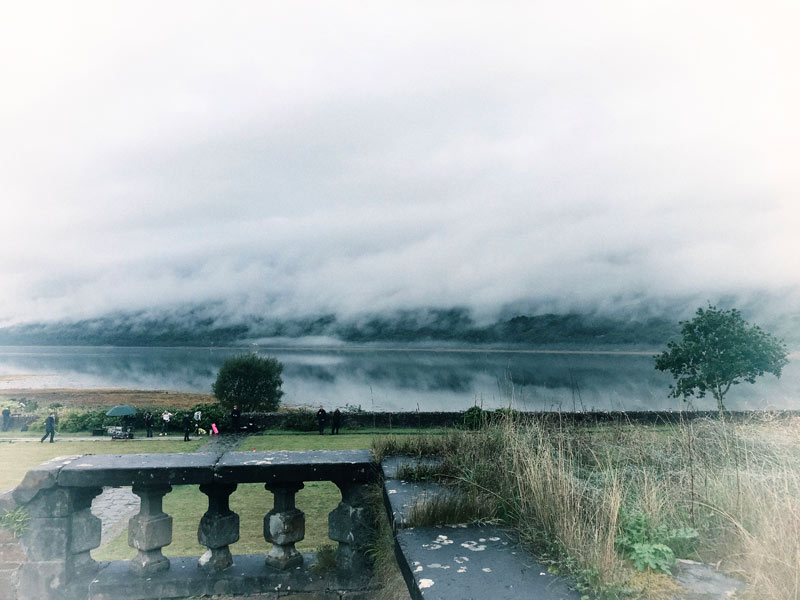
(116, 505)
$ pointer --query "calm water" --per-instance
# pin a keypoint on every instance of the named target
(393, 379)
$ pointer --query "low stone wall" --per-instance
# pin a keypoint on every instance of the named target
(423, 420)
(51, 559)
(20, 421)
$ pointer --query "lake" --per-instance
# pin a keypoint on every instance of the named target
(385, 379)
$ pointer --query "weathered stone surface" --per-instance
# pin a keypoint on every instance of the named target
(703, 582)
(219, 527)
(8, 584)
(216, 559)
(150, 530)
(52, 502)
(286, 527)
(351, 525)
(473, 563)
(7, 501)
(11, 553)
(248, 575)
(149, 533)
(284, 467)
(86, 530)
(41, 478)
(216, 531)
(42, 580)
(47, 539)
(130, 469)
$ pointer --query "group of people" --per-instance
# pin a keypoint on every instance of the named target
(336, 420)
(190, 423)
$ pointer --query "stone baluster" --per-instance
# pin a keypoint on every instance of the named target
(284, 526)
(351, 524)
(150, 530)
(85, 531)
(218, 528)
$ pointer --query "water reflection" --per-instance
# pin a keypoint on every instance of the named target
(393, 380)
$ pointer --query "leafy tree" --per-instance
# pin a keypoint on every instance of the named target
(719, 349)
(249, 381)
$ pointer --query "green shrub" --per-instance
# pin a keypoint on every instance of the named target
(250, 381)
(648, 546)
(87, 420)
(16, 521)
(473, 418)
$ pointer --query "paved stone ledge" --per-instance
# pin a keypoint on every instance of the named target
(460, 561)
(127, 469)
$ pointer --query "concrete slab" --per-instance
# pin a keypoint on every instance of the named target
(473, 563)
(315, 465)
(126, 469)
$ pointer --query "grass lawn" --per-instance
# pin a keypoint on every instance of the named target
(17, 458)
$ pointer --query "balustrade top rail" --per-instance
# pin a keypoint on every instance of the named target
(92, 470)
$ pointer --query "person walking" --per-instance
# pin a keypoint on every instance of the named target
(235, 415)
(336, 420)
(49, 427)
(321, 416)
(6, 418)
(187, 426)
(165, 417)
(148, 423)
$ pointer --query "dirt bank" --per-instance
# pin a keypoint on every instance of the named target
(107, 398)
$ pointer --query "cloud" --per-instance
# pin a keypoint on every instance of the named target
(290, 159)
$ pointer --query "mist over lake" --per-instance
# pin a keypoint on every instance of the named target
(384, 379)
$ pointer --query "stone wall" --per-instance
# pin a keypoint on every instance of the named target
(423, 420)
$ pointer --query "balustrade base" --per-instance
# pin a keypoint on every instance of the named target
(247, 575)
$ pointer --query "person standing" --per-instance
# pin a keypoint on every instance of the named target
(148, 423)
(165, 417)
(6, 418)
(49, 427)
(321, 416)
(187, 426)
(336, 420)
(235, 416)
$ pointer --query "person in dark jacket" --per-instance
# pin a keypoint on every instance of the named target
(49, 427)
(148, 423)
(235, 415)
(6, 418)
(187, 426)
(321, 416)
(336, 421)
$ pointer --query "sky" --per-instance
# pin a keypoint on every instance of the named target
(295, 158)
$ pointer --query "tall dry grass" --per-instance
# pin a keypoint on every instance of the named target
(564, 488)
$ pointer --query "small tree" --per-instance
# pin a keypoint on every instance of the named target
(719, 349)
(249, 381)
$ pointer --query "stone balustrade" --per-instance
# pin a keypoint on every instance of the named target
(62, 530)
